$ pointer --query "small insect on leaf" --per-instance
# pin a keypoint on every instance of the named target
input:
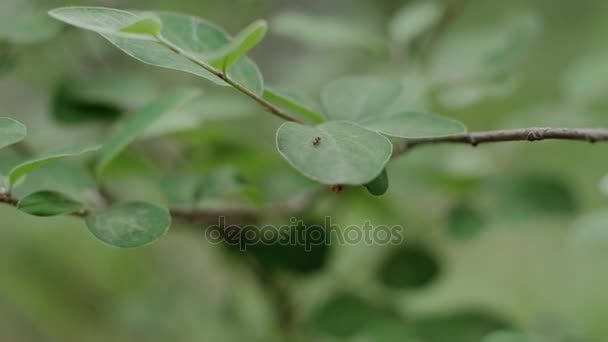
(337, 188)
(316, 141)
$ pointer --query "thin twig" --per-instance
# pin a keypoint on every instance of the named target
(519, 134)
(249, 214)
(225, 77)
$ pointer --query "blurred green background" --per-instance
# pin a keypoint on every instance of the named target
(512, 236)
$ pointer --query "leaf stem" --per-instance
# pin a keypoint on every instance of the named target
(226, 78)
(519, 134)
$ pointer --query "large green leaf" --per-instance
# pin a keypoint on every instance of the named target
(22, 169)
(130, 225)
(294, 103)
(370, 103)
(240, 45)
(48, 203)
(194, 36)
(334, 152)
(11, 131)
(137, 123)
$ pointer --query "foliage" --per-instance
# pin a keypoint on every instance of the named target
(147, 149)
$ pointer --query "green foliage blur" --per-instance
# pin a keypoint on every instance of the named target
(502, 242)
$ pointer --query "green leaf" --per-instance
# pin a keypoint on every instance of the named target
(246, 40)
(48, 203)
(505, 336)
(379, 185)
(409, 267)
(413, 19)
(136, 124)
(370, 103)
(29, 28)
(193, 35)
(65, 176)
(328, 32)
(22, 169)
(148, 25)
(130, 225)
(293, 103)
(334, 152)
(11, 132)
(193, 114)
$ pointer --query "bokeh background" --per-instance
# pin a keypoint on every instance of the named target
(512, 236)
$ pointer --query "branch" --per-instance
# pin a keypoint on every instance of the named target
(249, 214)
(224, 76)
(519, 134)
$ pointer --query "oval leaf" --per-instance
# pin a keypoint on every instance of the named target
(130, 225)
(48, 203)
(137, 123)
(379, 185)
(293, 103)
(22, 169)
(412, 125)
(370, 103)
(246, 40)
(11, 131)
(335, 152)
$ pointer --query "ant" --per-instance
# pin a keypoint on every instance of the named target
(316, 141)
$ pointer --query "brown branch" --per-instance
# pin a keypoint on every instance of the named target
(249, 214)
(225, 77)
(519, 134)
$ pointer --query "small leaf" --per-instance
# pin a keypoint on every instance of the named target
(136, 124)
(370, 103)
(11, 132)
(409, 267)
(150, 25)
(22, 169)
(413, 19)
(48, 203)
(334, 152)
(379, 185)
(130, 225)
(293, 103)
(246, 40)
